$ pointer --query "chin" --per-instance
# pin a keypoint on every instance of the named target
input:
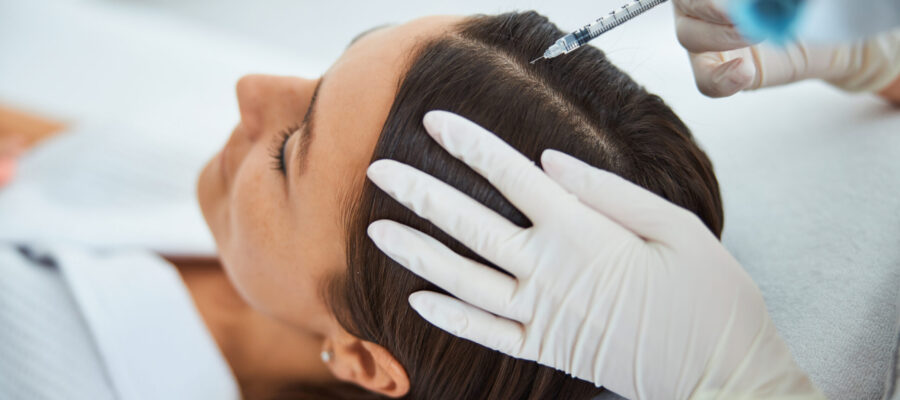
(203, 188)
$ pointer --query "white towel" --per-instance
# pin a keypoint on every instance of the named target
(46, 349)
(103, 325)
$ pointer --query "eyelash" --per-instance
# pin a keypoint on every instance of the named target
(278, 145)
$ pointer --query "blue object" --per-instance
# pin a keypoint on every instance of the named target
(774, 20)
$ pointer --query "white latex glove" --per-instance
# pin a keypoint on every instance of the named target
(724, 63)
(611, 284)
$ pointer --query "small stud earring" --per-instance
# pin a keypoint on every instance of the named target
(326, 356)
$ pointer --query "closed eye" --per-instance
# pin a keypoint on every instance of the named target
(279, 146)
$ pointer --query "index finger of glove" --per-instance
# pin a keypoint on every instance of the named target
(525, 185)
(468, 322)
(702, 27)
(473, 224)
(637, 209)
(698, 36)
(473, 282)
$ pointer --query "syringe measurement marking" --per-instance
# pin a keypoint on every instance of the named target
(628, 14)
(604, 24)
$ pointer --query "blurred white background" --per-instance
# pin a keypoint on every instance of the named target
(808, 174)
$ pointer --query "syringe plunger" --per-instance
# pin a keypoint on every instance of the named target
(603, 24)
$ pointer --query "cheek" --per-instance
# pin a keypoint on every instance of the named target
(271, 255)
(253, 222)
(211, 197)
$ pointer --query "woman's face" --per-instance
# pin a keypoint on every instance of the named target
(280, 232)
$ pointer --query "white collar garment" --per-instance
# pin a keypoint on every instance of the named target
(147, 330)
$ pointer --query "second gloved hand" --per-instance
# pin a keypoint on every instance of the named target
(611, 284)
(724, 63)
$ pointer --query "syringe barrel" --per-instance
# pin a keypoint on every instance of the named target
(583, 35)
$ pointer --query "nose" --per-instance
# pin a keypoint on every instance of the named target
(270, 103)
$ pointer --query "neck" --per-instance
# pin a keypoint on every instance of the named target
(264, 354)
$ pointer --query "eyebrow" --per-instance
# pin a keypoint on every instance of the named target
(307, 130)
(366, 32)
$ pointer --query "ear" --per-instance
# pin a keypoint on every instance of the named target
(365, 364)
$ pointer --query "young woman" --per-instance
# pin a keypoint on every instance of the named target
(288, 203)
(304, 305)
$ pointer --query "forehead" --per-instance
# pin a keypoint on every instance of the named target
(357, 93)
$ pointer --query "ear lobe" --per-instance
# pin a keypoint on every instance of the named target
(368, 365)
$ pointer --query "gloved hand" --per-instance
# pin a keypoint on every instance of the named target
(611, 284)
(724, 63)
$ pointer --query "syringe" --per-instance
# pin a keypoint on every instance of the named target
(602, 25)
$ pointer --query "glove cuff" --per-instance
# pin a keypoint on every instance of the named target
(875, 64)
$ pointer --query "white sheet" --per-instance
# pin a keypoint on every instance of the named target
(153, 340)
(104, 186)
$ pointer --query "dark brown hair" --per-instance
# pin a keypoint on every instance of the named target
(580, 104)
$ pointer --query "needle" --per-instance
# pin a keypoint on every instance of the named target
(536, 59)
(583, 35)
